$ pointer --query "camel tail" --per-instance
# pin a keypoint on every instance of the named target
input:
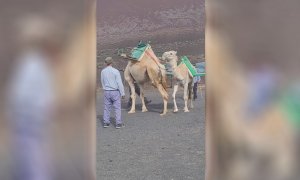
(158, 79)
(165, 94)
(164, 82)
(163, 79)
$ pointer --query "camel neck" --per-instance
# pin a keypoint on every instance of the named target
(173, 63)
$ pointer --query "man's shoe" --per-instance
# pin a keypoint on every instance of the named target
(105, 125)
(118, 126)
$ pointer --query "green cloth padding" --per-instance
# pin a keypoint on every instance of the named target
(138, 51)
(191, 68)
(189, 65)
(291, 106)
(200, 74)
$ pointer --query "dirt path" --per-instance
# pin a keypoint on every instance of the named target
(151, 147)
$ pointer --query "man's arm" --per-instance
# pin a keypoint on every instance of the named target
(102, 79)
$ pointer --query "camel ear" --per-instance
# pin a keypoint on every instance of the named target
(175, 52)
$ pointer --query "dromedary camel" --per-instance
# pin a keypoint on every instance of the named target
(147, 68)
(183, 78)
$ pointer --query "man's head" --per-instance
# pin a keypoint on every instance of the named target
(108, 61)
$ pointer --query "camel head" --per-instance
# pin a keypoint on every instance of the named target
(170, 57)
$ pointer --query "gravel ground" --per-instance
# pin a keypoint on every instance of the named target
(151, 147)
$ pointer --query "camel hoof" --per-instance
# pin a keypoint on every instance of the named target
(131, 112)
(186, 110)
(162, 114)
(145, 110)
(175, 110)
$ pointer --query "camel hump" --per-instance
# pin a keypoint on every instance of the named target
(163, 80)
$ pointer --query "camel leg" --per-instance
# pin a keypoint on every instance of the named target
(144, 108)
(192, 103)
(174, 97)
(130, 80)
(164, 94)
(185, 97)
(133, 97)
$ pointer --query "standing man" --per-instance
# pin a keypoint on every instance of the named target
(200, 67)
(196, 81)
(113, 91)
(31, 99)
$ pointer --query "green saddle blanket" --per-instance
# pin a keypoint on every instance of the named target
(138, 51)
(191, 68)
(291, 106)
